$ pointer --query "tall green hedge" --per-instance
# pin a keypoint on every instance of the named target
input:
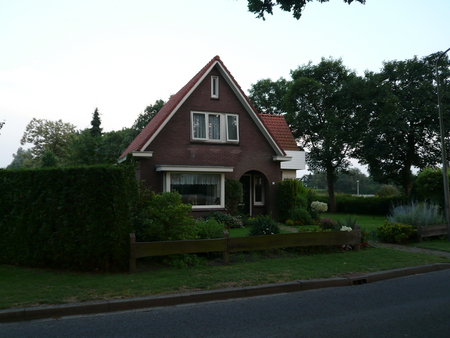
(287, 197)
(74, 218)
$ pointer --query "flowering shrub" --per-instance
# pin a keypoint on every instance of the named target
(395, 232)
(264, 225)
(346, 228)
(229, 221)
(327, 224)
(319, 206)
(300, 216)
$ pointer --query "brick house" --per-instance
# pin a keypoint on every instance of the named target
(208, 132)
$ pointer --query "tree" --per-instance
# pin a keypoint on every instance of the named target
(403, 126)
(145, 117)
(322, 111)
(48, 135)
(267, 96)
(21, 159)
(95, 130)
(2, 123)
(261, 7)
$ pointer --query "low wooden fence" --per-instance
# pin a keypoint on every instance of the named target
(229, 244)
(430, 231)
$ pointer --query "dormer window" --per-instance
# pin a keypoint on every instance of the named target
(214, 87)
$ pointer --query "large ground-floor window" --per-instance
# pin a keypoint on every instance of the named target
(198, 189)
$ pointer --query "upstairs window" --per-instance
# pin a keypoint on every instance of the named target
(214, 87)
(215, 127)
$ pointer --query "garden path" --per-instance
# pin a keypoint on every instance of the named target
(406, 248)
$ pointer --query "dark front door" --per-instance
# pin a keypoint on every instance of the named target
(246, 196)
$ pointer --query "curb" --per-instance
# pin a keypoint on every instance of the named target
(56, 311)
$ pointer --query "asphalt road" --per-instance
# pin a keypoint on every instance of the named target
(413, 306)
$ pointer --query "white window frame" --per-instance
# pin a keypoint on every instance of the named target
(224, 127)
(214, 87)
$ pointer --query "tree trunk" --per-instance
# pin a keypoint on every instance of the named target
(331, 197)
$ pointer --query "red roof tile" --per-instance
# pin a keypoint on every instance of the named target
(279, 130)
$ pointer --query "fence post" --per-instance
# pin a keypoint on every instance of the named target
(132, 258)
(358, 241)
(226, 253)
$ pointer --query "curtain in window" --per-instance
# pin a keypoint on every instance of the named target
(214, 127)
(199, 126)
(194, 179)
(232, 127)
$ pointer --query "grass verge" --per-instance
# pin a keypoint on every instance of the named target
(21, 287)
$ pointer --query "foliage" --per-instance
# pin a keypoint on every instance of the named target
(264, 225)
(69, 218)
(387, 190)
(346, 182)
(229, 221)
(21, 159)
(395, 232)
(47, 135)
(287, 197)
(233, 196)
(300, 216)
(209, 228)
(261, 7)
(267, 96)
(327, 224)
(349, 222)
(322, 110)
(48, 159)
(166, 218)
(402, 129)
(149, 112)
(429, 186)
(319, 207)
(417, 214)
(95, 130)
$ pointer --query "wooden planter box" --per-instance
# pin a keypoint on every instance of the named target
(430, 231)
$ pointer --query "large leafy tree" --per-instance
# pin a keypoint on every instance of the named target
(403, 122)
(267, 96)
(262, 7)
(48, 135)
(323, 112)
(145, 117)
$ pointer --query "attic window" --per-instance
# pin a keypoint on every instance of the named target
(214, 87)
(214, 127)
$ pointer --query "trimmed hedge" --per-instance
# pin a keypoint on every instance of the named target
(348, 204)
(71, 218)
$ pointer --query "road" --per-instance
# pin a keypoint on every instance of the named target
(413, 306)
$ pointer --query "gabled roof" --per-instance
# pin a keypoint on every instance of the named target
(280, 131)
(141, 142)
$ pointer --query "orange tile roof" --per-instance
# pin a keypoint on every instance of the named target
(279, 130)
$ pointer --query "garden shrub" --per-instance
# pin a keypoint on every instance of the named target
(166, 218)
(229, 221)
(327, 224)
(429, 186)
(287, 197)
(415, 213)
(395, 232)
(209, 228)
(300, 216)
(233, 196)
(264, 225)
(387, 190)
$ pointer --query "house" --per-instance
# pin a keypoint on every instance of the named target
(208, 132)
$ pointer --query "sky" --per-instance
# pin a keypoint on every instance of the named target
(61, 59)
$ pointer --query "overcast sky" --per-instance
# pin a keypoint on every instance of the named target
(60, 59)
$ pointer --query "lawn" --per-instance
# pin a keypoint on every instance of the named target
(30, 287)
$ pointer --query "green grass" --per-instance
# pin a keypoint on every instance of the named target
(434, 244)
(30, 287)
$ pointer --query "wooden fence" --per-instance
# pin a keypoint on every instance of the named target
(432, 230)
(229, 244)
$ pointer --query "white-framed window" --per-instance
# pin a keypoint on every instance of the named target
(214, 127)
(258, 190)
(202, 190)
(214, 87)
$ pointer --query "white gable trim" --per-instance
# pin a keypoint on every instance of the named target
(239, 95)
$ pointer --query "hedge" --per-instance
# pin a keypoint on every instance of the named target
(72, 218)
